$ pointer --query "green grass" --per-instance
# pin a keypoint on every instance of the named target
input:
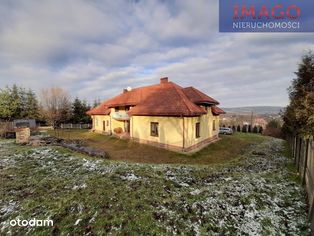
(119, 198)
(224, 150)
(293, 173)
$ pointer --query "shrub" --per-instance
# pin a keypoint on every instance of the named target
(244, 128)
(239, 128)
(255, 129)
(234, 128)
(273, 128)
(273, 132)
(118, 130)
(250, 129)
(260, 130)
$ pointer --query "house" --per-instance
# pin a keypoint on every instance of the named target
(165, 115)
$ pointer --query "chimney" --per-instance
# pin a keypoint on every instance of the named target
(164, 80)
(125, 90)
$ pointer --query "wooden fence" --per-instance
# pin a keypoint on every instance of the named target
(76, 126)
(7, 129)
(303, 153)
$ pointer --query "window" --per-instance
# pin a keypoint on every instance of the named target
(214, 125)
(116, 109)
(107, 122)
(154, 129)
(197, 130)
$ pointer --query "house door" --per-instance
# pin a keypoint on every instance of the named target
(104, 125)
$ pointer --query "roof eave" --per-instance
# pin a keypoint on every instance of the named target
(206, 103)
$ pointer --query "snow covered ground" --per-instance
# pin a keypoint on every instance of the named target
(255, 195)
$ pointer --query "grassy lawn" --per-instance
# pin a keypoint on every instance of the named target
(256, 195)
(226, 149)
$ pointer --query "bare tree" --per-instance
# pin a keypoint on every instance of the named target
(55, 105)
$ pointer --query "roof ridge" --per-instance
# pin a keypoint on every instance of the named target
(182, 95)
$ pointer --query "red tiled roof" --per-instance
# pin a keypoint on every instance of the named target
(217, 111)
(164, 99)
(101, 109)
(198, 97)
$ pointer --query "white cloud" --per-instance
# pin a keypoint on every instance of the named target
(96, 48)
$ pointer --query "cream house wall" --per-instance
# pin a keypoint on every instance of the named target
(116, 123)
(173, 132)
(170, 130)
(98, 123)
(110, 123)
(206, 128)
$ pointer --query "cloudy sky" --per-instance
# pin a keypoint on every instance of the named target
(94, 49)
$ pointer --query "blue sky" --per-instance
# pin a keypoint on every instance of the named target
(94, 49)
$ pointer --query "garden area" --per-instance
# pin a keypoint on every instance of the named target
(250, 192)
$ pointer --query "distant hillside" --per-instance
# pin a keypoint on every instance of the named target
(256, 110)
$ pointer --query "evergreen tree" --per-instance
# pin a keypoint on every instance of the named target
(244, 129)
(250, 129)
(261, 129)
(6, 111)
(239, 128)
(255, 129)
(16, 103)
(79, 109)
(31, 105)
(299, 115)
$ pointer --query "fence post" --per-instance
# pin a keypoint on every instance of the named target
(296, 149)
(299, 155)
(305, 161)
(293, 144)
(311, 217)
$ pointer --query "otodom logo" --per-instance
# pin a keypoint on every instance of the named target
(265, 16)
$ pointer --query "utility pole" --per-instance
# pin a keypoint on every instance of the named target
(252, 120)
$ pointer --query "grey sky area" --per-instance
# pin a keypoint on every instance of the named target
(94, 49)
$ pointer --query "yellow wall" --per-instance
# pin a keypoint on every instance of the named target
(206, 128)
(116, 123)
(98, 123)
(169, 129)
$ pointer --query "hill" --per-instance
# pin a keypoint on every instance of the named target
(256, 110)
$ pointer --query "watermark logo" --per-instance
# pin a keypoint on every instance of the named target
(266, 16)
(32, 223)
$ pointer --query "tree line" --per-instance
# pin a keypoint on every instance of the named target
(299, 115)
(53, 107)
(246, 128)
